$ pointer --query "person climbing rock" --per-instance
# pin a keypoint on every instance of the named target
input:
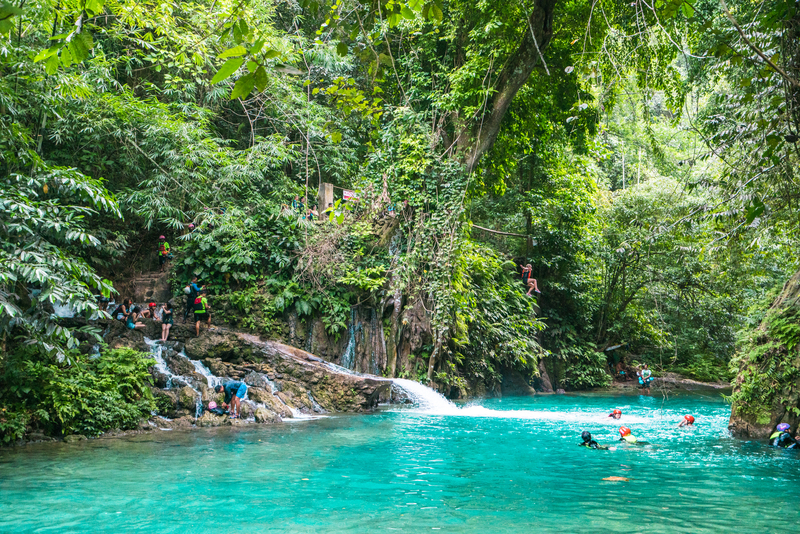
(625, 435)
(132, 321)
(201, 311)
(163, 251)
(191, 290)
(688, 420)
(616, 414)
(782, 439)
(527, 281)
(166, 321)
(122, 311)
(589, 442)
(234, 393)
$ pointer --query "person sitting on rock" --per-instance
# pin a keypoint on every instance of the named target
(782, 439)
(234, 393)
(122, 311)
(132, 320)
(150, 312)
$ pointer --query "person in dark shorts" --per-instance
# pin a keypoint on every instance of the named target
(234, 393)
(163, 251)
(166, 321)
(527, 281)
(191, 290)
(201, 311)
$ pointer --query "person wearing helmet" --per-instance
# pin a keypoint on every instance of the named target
(781, 438)
(589, 443)
(688, 420)
(163, 251)
(201, 311)
(616, 414)
(625, 435)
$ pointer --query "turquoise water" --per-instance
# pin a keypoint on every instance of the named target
(511, 466)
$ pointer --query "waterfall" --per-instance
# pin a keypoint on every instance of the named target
(157, 349)
(213, 381)
(349, 356)
(424, 397)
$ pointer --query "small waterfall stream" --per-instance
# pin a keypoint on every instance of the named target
(157, 349)
(349, 356)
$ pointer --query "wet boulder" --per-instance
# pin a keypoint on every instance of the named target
(209, 419)
(265, 416)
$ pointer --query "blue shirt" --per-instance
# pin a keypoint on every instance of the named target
(230, 389)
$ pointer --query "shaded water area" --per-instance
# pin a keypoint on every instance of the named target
(500, 465)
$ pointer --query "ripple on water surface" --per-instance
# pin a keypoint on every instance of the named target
(507, 465)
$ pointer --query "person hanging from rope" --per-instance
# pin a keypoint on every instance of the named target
(527, 281)
(163, 251)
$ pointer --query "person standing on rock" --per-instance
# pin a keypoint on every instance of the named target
(201, 311)
(166, 321)
(163, 251)
(191, 290)
(234, 393)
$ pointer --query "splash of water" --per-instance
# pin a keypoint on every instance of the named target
(349, 356)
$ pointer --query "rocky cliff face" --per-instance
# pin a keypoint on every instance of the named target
(767, 388)
(282, 381)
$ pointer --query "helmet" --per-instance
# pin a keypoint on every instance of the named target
(615, 412)
(212, 405)
(191, 226)
(161, 237)
(586, 436)
(783, 427)
(624, 431)
(689, 419)
(151, 305)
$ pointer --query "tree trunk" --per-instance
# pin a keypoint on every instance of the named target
(391, 343)
(481, 135)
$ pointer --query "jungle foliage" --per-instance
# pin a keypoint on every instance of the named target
(640, 156)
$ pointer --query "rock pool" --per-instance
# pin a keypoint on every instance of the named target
(498, 465)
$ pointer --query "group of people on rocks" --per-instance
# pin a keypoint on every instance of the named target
(130, 314)
(625, 432)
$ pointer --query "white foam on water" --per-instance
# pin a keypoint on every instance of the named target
(429, 402)
(212, 380)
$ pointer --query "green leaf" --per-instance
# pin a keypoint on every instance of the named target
(51, 65)
(94, 7)
(436, 11)
(230, 66)
(688, 10)
(44, 54)
(269, 54)
(261, 78)
(407, 13)
(257, 46)
(236, 51)
(342, 49)
(244, 86)
(336, 137)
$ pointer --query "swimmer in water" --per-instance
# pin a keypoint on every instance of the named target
(616, 414)
(589, 442)
(688, 420)
(625, 435)
(782, 439)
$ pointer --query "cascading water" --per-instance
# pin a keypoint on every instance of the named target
(212, 380)
(349, 356)
(157, 349)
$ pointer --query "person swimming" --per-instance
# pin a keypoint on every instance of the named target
(616, 414)
(688, 420)
(625, 435)
(782, 439)
(588, 442)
